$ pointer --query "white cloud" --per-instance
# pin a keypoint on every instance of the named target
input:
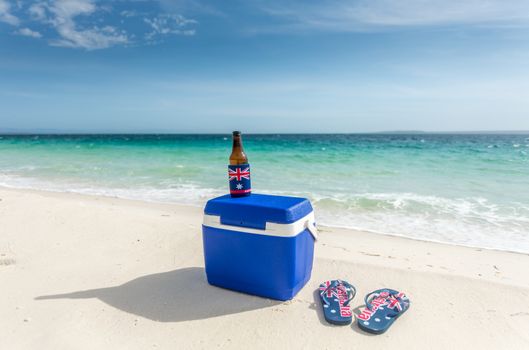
(37, 11)
(5, 14)
(169, 24)
(353, 15)
(62, 15)
(28, 32)
(128, 13)
(86, 24)
(90, 39)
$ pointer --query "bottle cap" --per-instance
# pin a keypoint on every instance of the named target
(236, 133)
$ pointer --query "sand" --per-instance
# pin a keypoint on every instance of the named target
(86, 272)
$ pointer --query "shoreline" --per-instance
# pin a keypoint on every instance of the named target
(148, 201)
(113, 273)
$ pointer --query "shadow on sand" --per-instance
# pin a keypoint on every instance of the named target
(174, 296)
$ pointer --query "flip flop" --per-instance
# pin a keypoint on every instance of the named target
(335, 297)
(383, 307)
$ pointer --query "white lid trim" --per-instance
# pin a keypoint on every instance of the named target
(271, 228)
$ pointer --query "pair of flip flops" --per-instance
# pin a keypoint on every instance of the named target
(383, 306)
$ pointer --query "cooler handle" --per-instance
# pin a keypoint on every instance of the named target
(311, 226)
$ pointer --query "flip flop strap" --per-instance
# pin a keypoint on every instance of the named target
(353, 292)
(335, 284)
(391, 294)
(374, 294)
(324, 292)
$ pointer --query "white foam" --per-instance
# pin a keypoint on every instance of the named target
(183, 194)
(464, 221)
(474, 221)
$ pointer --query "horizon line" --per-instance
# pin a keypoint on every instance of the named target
(52, 132)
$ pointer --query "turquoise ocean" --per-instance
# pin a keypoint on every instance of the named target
(462, 189)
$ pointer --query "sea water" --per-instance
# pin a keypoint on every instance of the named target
(463, 189)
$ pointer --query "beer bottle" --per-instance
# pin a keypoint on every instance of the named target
(239, 169)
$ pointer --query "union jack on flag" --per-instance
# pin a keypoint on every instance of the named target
(326, 287)
(394, 301)
(239, 174)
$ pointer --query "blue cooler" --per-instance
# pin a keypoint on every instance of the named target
(259, 244)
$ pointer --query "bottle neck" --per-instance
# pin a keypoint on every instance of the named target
(237, 142)
(237, 154)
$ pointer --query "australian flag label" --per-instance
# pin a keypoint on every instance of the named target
(239, 176)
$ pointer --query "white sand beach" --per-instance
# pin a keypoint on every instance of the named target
(86, 272)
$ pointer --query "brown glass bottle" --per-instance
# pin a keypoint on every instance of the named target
(239, 169)
(237, 155)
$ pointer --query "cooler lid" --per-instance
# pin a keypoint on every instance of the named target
(255, 210)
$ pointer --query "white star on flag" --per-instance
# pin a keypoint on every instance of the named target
(239, 186)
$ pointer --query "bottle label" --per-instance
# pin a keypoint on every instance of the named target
(239, 176)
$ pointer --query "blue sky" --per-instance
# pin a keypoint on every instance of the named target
(264, 66)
